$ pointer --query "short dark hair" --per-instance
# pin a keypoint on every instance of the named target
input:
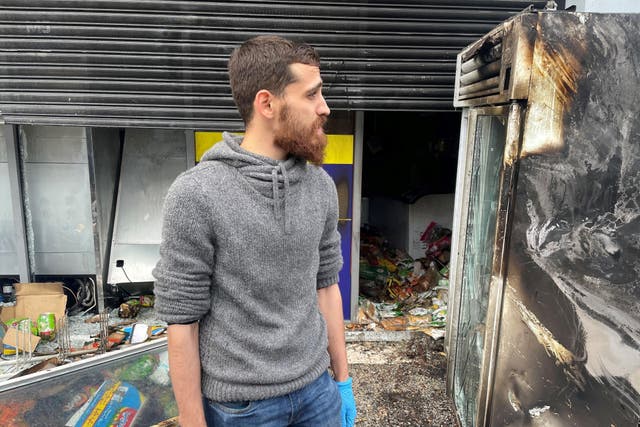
(263, 63)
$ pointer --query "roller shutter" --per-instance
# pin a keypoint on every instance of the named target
(152, 63)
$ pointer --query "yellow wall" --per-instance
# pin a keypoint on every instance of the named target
(339, 148)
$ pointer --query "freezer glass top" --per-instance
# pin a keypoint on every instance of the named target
(133, 390)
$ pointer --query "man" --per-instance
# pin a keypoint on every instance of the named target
(250, 256)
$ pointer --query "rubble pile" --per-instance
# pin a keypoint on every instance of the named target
(398, 292)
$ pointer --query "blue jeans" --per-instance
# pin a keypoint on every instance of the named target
(315, 405)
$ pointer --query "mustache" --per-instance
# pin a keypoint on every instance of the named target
(321, 122)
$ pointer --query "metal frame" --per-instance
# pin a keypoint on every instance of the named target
(461, 211)
(95, 223)
(356, 211)
(16, 184)
(463, 179)
(190, 141)
(500, 260)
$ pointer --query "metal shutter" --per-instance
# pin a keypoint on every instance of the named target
(152, 63)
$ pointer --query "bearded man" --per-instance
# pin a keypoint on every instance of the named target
(250, 256)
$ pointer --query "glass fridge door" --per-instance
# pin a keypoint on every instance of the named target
(129, 387)
(477, 234)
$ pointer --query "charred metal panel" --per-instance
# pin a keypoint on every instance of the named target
(158, 63)
(569, 352)
(57, 200)
(497, 68)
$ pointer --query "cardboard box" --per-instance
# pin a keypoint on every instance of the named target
(21, 342)
(33, 299)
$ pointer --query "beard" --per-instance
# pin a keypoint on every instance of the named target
(300, 140)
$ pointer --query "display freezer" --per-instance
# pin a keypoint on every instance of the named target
(130, 386)
(545, 307)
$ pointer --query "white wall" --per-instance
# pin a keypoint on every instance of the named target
(435, 207)
(605, 6)
(402, 223)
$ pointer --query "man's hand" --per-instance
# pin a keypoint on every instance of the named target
(348, 410)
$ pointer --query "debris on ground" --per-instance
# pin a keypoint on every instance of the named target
(398, 292)
(400, 383)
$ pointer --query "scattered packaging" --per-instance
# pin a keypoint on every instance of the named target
(129, 309)
(147, 300)
(115, 338)
(116, 403)
(139, 333)
(11, 414)
(161, 375)
(140, 369)
(400, 293)
(21, 334)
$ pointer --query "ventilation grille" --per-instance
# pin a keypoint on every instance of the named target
(497, 68)
(480, 75)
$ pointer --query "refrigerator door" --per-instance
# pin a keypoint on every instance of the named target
(127, 387)
(475, 241)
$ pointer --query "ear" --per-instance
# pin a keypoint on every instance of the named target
(263, 104)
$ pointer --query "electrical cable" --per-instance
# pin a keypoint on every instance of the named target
(82, 292)
(93, 290)
(88, 299)
(72, 294)
(92, 294)
(125, 274)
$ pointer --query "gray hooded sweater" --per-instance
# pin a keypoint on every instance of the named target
(246, 242)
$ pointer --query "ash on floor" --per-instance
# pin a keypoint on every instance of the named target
(400, 383)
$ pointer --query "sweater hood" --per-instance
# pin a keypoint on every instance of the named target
(271, 178)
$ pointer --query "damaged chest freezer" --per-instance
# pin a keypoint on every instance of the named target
(545, 307)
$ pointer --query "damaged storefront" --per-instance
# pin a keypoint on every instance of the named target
(103, 104)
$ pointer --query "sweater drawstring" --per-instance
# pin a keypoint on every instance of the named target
(276, 196)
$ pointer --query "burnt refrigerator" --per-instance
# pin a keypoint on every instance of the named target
(545, 304)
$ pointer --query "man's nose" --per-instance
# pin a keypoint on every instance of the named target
(323, 108)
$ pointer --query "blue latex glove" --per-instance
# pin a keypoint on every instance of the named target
(348, 410)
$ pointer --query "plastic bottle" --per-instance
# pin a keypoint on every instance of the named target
(8, 295)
